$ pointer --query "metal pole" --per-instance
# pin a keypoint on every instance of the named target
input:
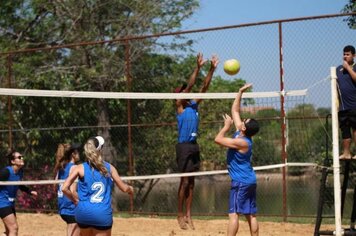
(283, 125)
(9, 99)
(129, 121)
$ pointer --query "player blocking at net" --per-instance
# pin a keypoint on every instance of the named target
(187, 148)
(242, 200)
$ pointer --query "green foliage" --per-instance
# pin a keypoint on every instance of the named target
(350, 7)
(143, 65)
(40, 124)
(306, 129)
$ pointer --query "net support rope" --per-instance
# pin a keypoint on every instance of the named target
(161, 176)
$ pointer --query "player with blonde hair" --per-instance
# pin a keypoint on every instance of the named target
(96, 177)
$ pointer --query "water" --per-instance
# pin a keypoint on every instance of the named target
(211, 196)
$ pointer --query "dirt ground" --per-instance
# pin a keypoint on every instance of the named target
(45, 225)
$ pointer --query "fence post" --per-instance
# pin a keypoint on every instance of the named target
(129, 122)
(283, 125)
(9, 98)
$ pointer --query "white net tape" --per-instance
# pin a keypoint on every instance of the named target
(133, 95)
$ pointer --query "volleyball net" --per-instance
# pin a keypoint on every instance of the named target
(140, 131)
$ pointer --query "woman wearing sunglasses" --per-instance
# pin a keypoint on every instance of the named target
(13, 172)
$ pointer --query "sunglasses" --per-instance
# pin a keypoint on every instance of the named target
(19, 157)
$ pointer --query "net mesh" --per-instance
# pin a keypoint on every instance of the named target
(140, 132)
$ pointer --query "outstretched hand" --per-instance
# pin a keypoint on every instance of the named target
(214, 61)
(245, 87)
(200, 60)
(227, 120)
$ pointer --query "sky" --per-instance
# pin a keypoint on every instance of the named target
(218, 13)
(215, 13)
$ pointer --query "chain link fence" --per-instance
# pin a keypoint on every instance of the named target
(141, 134)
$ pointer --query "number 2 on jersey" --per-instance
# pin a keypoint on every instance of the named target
(99, 189)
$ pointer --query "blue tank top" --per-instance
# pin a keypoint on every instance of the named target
(188, 123)
(239, 164)
(347, 89)
(65, 206)
(94, 191)
(8, 192)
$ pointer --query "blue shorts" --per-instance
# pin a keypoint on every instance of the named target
(242, 198)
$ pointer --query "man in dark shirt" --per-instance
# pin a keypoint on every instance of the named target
(346, 78)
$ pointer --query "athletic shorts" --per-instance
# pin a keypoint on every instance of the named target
(84, 226)
(69, 219)
(347, 121)
(5, 211)
(242, 198)
(188, 157)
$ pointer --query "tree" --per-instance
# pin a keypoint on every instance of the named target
(306, 134)
(40, 23)
(349, 8)
(42, 123)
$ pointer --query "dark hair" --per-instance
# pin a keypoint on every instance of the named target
(10, 156)
(181, 88)
(64, 155)
(96, 142)
(252, 127)
(349, 48)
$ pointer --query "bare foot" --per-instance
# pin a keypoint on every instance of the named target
(189, 221)
(345, 157)
(181, 222)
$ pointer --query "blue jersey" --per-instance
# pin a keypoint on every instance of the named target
(188, 122)
(239, 164)
(94, 191)
(347, 89)
(65, 206)
(8, 192)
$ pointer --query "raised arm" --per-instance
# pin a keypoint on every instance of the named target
(220, 137)
(191, 82)
(235, 108)
(193, 76)
(213, 64)
(236, 143)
